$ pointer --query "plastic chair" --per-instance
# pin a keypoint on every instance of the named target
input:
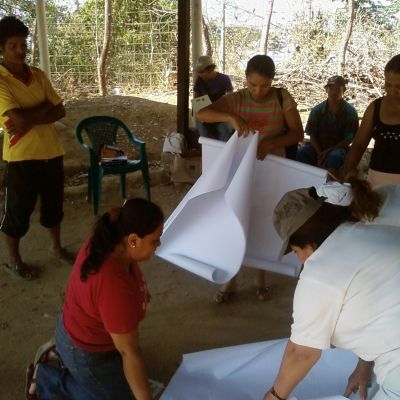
(105, 130)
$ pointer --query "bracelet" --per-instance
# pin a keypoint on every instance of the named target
(276, 395)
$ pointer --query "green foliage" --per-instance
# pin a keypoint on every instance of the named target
(144, 43)
(241, 42)
(143, 47)
(378, 11)
(310, 38)
(24, 9)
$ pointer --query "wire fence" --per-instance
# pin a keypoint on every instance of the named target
(142, 54)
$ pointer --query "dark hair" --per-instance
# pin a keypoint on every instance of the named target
(210, 68)
(138, 216)
(11, 26)
(364, 206)
(393, 64)
(262, 65)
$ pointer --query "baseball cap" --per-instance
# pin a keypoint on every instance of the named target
(203, 62)
(336, 80)
(291, 212)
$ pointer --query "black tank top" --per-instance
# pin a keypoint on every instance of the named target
(385, 156)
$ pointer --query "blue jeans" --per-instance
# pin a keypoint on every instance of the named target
(85, 375)
(335, 158)
(218, 130)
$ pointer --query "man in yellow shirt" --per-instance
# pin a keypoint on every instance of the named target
(31, 149)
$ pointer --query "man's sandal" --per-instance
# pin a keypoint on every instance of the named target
(264, 293)
(21, 270)
(223, 297)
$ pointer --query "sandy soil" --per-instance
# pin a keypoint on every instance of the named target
(181, 317)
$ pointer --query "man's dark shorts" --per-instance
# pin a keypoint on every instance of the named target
(24, 182)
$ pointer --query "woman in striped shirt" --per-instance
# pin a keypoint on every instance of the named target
(257, 108)
(267, 110)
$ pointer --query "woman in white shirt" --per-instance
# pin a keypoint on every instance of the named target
(348, 292)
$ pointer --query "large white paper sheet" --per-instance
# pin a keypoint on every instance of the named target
(206, 233)
(225, 220)
(246, 372)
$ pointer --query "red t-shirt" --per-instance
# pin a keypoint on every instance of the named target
(112, 300)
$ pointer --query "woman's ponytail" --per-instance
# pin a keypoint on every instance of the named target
(106, 236)
(366, 202)
(139, 216)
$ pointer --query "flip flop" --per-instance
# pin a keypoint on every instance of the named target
(21, 270)
(223, 297)
(29, 380)
(46, 353)
(264, 293)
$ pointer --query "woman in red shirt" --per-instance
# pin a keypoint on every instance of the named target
(97, 333)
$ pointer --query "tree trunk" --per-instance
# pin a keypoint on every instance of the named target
(350, 21)
(310, 10)
(102, 62)
(34, 43)
(267, 24)
(207, 42)
(222, 44)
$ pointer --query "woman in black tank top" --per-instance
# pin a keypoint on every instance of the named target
(381, 122)
(385, 156)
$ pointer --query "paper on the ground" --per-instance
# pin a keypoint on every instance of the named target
(246, 372)
(226, 218)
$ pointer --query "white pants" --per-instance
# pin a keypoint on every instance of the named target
(390, 387)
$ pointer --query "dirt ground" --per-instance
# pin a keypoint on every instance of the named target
(181, 318)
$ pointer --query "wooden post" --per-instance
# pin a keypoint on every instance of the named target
(183, 66)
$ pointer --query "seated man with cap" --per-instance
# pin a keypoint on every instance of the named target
(215, 85)
(331, 126)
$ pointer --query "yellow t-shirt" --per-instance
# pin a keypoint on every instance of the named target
(41, 142)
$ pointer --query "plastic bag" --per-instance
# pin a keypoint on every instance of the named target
(174, 143)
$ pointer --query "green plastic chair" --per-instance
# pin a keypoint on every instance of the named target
(105, 130)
